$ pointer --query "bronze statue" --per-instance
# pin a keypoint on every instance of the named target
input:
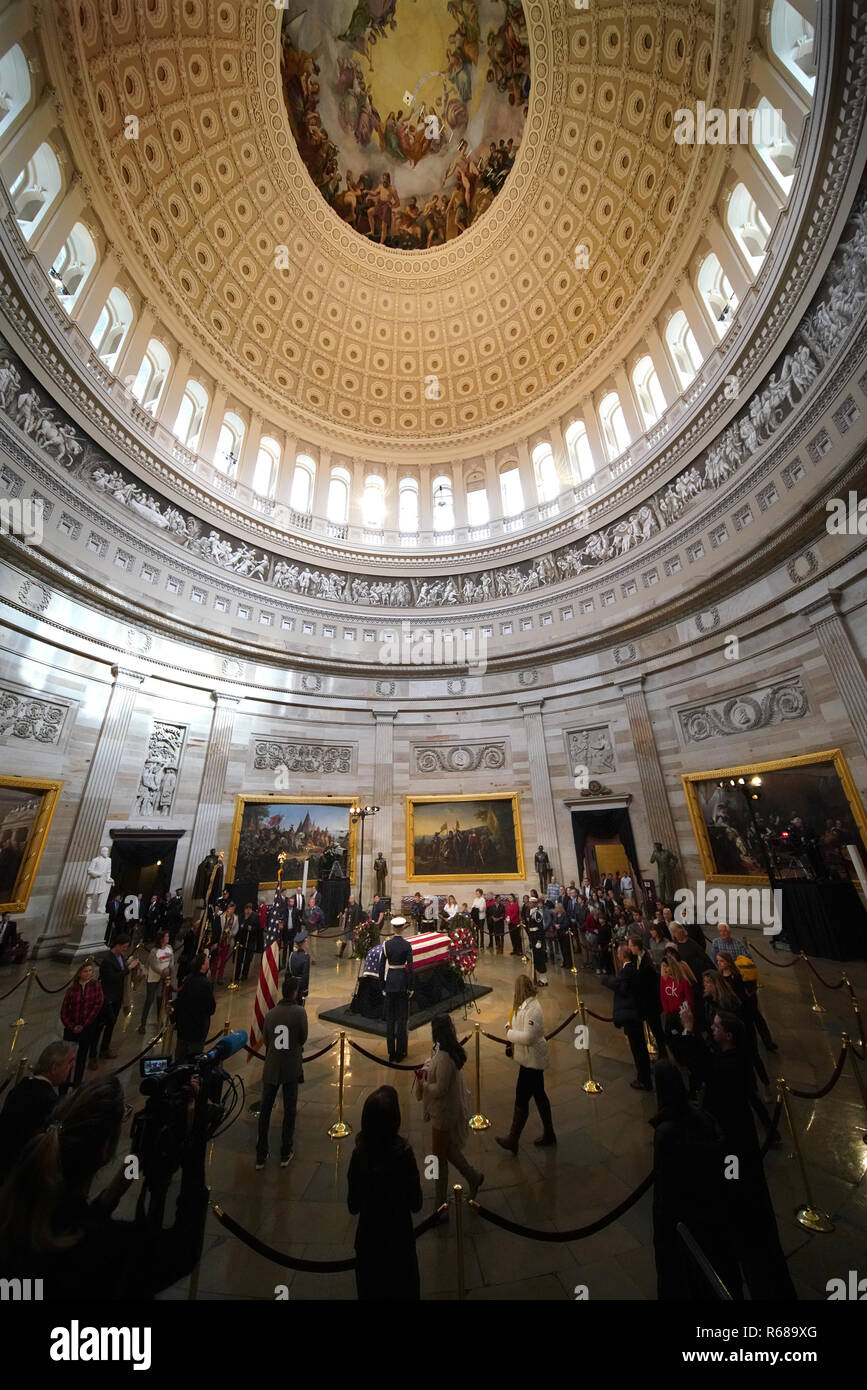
(666, 862)
(380, 869)
(203, 877)
(543, 869)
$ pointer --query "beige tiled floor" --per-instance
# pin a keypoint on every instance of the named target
(604, 1148)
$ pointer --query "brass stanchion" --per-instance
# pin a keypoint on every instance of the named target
(808, 1215)
(816, 1007)
(576, 947)
(459, 1239)
(650, 1043)
(230, 994)
(591, 1086)
(859, 1080)
(340, 1130)
(479, 1121)
(20, 1020)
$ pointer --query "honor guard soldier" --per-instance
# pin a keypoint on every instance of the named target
(395, 973)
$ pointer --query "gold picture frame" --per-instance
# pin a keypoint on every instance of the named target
(245, 800)
(28, 826)
(692, 784)
(463, 872)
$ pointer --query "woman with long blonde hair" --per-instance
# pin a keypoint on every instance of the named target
(526, 1038)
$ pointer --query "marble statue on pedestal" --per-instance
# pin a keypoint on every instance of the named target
(99, 882)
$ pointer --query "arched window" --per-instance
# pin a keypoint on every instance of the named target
(267, 463)
(373, 503)
(478, 507)
(443, 504)
(773, 143)
(191, 414)
(35, 189)
(792, 40)
(613, 423)
(151, 376)
(748, 226)
(579, 450)
(547, 479)
(16, 88)
(71, 270)
(337, 508)
(301, 493)
(407, 506)
(111, 327)
(648, 390)
(511, 492)
(229, 443)
(684, 349)
(715, 289)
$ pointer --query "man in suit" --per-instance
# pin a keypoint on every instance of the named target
(690, 951)
(247, 939)
(647, 989)
(116, 917)
(395, 973)
(30, 1103)
(352, 914)
(285, 1032)
(12, 949)
(113, 973)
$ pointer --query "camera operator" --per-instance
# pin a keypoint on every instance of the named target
(49, 1229)
(193, 1009)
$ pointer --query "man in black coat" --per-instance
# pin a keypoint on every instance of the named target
(246, 942)
(194, 1008)
(113, 972)
(30, 1103)
(647, 990)
(116, 918)
(395, 973)
(690, 952)
(285, 1032)
(627, 1015)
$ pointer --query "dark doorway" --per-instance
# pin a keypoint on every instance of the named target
(143, 861)
(603, 827)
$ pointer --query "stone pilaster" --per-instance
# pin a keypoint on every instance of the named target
(381, 827)
(843, 660)
(659, 818)
(207, 822)
(540, 785)
(88, 832)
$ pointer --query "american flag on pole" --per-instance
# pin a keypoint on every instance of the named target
(267, 990)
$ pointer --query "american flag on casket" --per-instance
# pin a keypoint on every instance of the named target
(428, 949)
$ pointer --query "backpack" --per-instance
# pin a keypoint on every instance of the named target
(748, 968)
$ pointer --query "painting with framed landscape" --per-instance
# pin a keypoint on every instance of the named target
(463, 838)
(27, 805)
(808, 810)
(301, 827)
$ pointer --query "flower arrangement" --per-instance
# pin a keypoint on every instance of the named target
(364, 937)
(462, 952)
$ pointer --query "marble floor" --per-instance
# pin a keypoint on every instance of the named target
(604, 1146)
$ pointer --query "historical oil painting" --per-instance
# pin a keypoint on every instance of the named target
(318, 831)
(27, 806)
(456, 838)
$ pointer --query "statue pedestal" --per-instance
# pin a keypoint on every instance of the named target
(90, 928)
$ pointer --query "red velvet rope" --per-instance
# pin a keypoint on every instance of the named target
(600, 1018)
(840, 983)
(829, 1085)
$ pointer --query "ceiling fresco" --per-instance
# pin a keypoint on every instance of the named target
(407, 113)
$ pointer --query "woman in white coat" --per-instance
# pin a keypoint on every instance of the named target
(447, 1102)
(526, 1036)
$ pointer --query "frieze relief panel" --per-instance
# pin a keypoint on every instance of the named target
(273, 754)
(159, 777)
(591, 748)
(458, 757)
(744, 713)
(25, 717)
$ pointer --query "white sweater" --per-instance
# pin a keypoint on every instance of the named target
(527, 1036)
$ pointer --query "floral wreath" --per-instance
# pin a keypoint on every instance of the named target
(463, 951)
(364, 937)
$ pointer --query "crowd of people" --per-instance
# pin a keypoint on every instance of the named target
(690, 1001)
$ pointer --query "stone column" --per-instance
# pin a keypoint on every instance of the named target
(598, 448)
(659, 357)
(756, 178)
(631, 409)
(88, 310)
(133, 351)
(492, 484)
(527, 474)
(24, 144)
(53, 234)
(729, 255)
(249, 451)
(67, 917)
(540, 786)
(843, 660)
(207, 821)
(659, 818)
(321, 484)
(780, 92)
(215, 412)
(382, 826)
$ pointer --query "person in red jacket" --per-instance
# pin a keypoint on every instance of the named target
(80, 1014)
(513, 923)
(675, 989)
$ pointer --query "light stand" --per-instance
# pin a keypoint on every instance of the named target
(360, 813)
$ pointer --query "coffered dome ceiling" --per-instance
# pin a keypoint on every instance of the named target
(294, 311)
